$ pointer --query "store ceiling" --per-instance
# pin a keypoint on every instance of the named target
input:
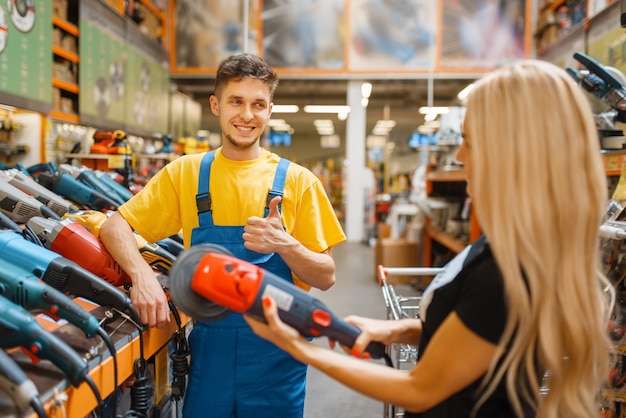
(393, 98)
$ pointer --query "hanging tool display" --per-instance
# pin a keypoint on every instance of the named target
(207, 283)
(64, 274)
(18, 328)
(19, 387)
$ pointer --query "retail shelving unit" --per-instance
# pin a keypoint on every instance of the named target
(453, 184)
(65, 86)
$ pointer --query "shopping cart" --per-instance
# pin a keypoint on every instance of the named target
(403, 356)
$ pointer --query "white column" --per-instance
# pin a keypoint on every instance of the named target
(355, 164)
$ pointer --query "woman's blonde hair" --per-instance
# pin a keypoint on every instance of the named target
(540, 192)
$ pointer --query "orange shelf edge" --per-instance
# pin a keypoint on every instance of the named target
(68, 27)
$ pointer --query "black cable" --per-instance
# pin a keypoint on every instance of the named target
(109, 343)
(37, 406)
(180, 364)
(31, 236)
(96, 393)
(141, 392)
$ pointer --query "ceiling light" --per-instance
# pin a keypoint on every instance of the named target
(366, 90)
(428, 117)
(326, 131)
(342, 115)
(463, 93)
(440, 110)
(364, 101)
(274, 122)
(388, 123)
(322, 122)
(326, 109)
(285, 108)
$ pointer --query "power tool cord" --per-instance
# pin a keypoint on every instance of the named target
(141, 392)
(37, 406)
(180, 364)
(96, 393)
(109, 343)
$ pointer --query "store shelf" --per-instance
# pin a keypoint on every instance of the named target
(66, 117)
(64, 85)
(63, 53)
(153, 9)
(613, 161)
(68, 27)
(447, 240)
(446, 175)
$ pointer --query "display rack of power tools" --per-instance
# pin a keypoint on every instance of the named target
(63, 298)
(607, 84)
(8, 147)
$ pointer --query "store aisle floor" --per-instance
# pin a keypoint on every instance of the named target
(355, 292)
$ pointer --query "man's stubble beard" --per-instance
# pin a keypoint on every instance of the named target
(239, 145)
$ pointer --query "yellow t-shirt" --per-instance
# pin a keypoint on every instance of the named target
(238, 191)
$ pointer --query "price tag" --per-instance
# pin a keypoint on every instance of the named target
(117, 161)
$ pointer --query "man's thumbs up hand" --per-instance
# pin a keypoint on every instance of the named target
(266, 235)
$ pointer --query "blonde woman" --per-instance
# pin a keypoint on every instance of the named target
(528, 297)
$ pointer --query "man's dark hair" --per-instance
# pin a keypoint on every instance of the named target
(241, 66)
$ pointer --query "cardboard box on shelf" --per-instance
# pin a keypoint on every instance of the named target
(57, 35)
(56, 99)
(69, 43)
(396, 252)
(384, 230)
(59, 9)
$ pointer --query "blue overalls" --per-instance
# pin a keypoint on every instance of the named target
(235, 373)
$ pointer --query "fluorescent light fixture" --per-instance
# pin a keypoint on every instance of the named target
(274, 122)
(364, 101)
(285, 108)
(342, 115)
(366, 90)
(327, 109)
(330, 141)
(440, 110)
(322, 122)
(375, 141)
(326, 131)
(387, 123)
(463, 93)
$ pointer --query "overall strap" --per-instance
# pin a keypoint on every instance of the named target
(203, 198)
(278, 186)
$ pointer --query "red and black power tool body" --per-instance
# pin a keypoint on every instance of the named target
(206, 282)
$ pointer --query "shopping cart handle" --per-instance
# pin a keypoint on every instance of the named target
(383, 272)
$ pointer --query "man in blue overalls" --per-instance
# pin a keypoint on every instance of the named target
(262, 209)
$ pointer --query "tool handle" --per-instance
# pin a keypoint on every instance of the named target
(335, 328)
(14, 381)
(26, 290)
(70, 278)
(309, 315)
(18, 328)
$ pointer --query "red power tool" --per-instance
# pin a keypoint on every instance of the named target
(207, 282)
